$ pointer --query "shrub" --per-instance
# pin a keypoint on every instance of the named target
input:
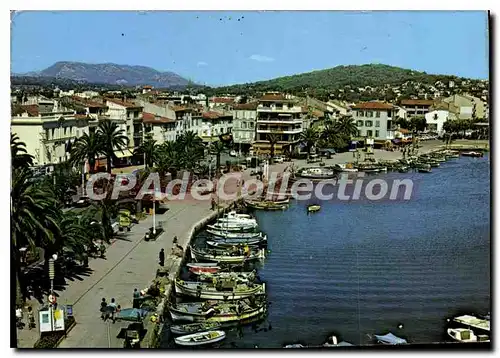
(50, 339)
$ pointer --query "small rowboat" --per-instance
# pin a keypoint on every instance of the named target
(233, 227)
(462, 335)
(197, 268)
(197, 339)
(233, 235)
(472, 154)
(191, 328)
(313, 208)
(232, 242)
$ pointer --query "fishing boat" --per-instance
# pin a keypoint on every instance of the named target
(215, 255)
(403, 169)
(462, 335)
(200, 338)
(313, 208)
(424, 168)
(368, 168)
(191, 328)
(345, 168)
(236, 220)
(390, 339)
(234, 235)
(481, 325)
(472, 154)
(451, 154)
(316, 173)
(223, 312)
(233, 227)
(235, 215)
(225, 243)
(198, 268)
(236, 276)
(267, 205)
(222, 289)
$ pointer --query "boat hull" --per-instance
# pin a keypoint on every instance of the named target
(191, 328)
(198, 268)
(233, 235)
(223, 319)
(189, 339)
(219, 295)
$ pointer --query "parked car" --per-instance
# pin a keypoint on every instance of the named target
(278, 159)
(233, 153)
(82, 202)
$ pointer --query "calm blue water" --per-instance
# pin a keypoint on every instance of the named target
(361, 268)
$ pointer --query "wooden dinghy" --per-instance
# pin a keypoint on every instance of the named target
(224, 243)
(222, 289)
(222, 312)
(197, 268)
(200, 338)
(223, 256)
(233, 235)
(191, 328)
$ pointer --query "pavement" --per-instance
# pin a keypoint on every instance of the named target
(130, 263)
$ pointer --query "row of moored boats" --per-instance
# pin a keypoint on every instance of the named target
(221, 288)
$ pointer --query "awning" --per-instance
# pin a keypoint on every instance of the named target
(126, 153)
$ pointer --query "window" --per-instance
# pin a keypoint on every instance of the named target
(244, 125)
(360, 124)
(369, 113)
(128, 129)
(368, 123)
(360, 133)
(377, 123)
(361, 113)
(377, 114)
(250, 125)
(377, 134)
(369, 133)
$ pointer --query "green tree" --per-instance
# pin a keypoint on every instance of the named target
(217, 148)
(112, 138)
(19, 155)
(346, 126)
(273, 139)
(148, 148)
(309, 137)
(88, 147)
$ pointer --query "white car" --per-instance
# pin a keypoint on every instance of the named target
(279, 159)
(233, 153)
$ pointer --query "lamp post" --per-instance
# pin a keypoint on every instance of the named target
(154, 214)
(209, 155)
(52, 299)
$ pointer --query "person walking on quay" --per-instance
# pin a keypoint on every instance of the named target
(213, 204)
(161, 257)
(174, 240)
(102, 249)
(31, 319)
(104, 304)
(113, 308)
(137, 294)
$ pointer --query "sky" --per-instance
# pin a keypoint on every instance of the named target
(220, 48)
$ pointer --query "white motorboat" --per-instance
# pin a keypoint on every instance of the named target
(233, 226)
(234, 235)
(462, 334)
(346, 168)
(197, 339)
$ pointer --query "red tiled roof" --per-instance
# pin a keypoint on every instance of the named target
(373, 105)
(317, 113)
(153, 118)
(180, 108)
(246, 106)
(222, 100)
(273, 97)
(416, 102)
(122, 103)
(31, 109)
(147, 87)
(404, 131)
(211, 115)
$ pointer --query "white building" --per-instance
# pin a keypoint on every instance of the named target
(436, 118)
(244, 119)
(374, 120)
(129, 117)
(161, 129)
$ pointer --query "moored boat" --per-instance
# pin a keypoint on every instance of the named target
(223, 289)
(200, 267)
(200, 338)
(234, 235)
(224, 243)
(221, 311)
(215, 255)
(267, 205)
(346, 168)
(472, 154)
(462, 334)
(233, 227)
(319, 173)
(237, 276)
(424, 168)
(191, 328)
(313, 208)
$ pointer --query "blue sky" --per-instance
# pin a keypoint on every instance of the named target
(235, 47)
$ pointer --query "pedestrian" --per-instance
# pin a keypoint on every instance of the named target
(113, 307)
(102, 249)
(213, 203)
(104, 304)
(19, 317)
(137, 294)
(161, 257)
(175, 240)
(31, 318)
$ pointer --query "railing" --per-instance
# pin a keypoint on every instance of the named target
(279, 109)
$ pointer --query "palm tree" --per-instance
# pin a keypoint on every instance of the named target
(167, 158)
(34, 219)
(19, 155)
(148, 149)
(112, 138)
(88, 147)
(272, 138)
(217, 148)
(346, 126)
(190, 147)
(309, 137)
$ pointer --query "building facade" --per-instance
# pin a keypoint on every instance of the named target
(244, 119)
(374, 120)
(436, 118)
(416, 107)
(280, 116)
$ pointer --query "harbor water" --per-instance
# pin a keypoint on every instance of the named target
(361, 268)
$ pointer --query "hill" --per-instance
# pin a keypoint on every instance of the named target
(110, 73)
(329, 80)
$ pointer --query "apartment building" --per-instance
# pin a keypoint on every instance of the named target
(47, 133)
(213, 124)
(279, 115)
(416, 107)
(467, 107)
(244, 119)
(128, 116)
(161, 129)
(374, 120)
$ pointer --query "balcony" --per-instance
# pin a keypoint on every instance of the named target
(286, 131)
(138, 134)
(284, 120)
(284, 109)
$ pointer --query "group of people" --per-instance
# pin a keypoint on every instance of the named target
(20, 318)
(109, 310)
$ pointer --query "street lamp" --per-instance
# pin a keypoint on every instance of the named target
(52, 272)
